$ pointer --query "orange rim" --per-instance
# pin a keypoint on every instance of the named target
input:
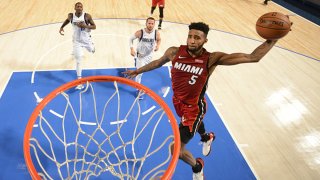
(28, 131)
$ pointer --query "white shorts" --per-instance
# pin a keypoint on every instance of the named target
(141, 61)
(77, 48)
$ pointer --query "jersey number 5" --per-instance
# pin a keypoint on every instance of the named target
(193, 79)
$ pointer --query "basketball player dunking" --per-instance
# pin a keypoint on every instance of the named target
(82, 24)
(192, 66)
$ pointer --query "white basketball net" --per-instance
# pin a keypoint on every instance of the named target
(84, 136)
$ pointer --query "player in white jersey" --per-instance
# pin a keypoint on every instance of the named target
(82, 24)
(149, 41)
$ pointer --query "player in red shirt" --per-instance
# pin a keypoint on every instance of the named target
(192, 66)
(160, 4)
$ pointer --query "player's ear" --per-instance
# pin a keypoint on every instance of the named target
(205, 41)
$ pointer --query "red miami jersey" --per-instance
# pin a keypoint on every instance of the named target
(189, 76)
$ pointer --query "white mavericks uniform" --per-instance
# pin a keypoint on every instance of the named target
(81, 39)
(145, 48)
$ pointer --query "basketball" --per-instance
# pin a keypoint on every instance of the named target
(273, 25)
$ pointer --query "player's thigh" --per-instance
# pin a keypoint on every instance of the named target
(154, 3)
(89, 47)
(185, 134)
(161, 3)
(77, 49)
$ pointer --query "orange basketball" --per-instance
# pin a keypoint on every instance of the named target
(273, 25)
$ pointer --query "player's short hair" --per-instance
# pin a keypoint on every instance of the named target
(77, 4)
(200, 26)
(150, 18)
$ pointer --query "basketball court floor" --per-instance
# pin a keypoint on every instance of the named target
(265, 115)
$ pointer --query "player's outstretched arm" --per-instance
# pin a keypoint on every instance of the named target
(168, 56)
(238, 58)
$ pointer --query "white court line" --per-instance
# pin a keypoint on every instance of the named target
(42, 57)
(88, 123)
(147, 111)
(169, 68)
(118, 122)
(5, 85)
(166, 92)
(244, 145)
(55, 47)
(55, 113)
(35, 125)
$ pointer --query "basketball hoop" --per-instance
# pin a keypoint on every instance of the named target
(99, 131)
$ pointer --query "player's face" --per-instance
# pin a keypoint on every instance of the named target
(78, 8)
(196, 40)
(150, 24)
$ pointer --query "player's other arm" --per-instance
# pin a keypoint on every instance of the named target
(61, 31)
(168, 56)
(132, 38)
(238, 58)
(91, 24)
(158, 41)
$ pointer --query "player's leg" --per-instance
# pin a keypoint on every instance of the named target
(161, 15)
(185, 155)
(186, 134)
(153, 6)
(206, 138)
(89, 45)
(142, 61)
(78, 54)
(139, 62)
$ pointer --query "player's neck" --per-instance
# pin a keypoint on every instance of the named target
(78, 14)
(196, 53)
(147, 30)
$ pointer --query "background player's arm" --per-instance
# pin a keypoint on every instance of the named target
(90, 25)
(220, 58)
(168, 56)
(61, 31)
(158, 41)
(132, 38)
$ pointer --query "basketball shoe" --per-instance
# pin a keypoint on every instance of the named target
(199, 175)
(207, 140)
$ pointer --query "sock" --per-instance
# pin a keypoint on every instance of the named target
(160, 22)
(205, 137)
(152, 9)
(197, 168)
(79, 71)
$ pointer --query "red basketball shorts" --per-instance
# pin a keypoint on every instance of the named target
(160, 3)
(191, 115)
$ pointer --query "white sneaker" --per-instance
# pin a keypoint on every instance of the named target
(206, 146)
(199, 175)
(79, 87)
